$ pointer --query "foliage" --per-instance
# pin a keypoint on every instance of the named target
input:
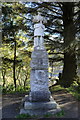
(0, 89)
(56, 88)
(48, 115)
(77, 82)
(10, 89)
(60, 114)
(15, 56)
(26, 116)
(74, 89)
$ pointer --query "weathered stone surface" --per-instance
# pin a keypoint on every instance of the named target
(40, 112)
(39, 54)
(39, 29)
(40, 105)
(38, 96)
(39, 80)
(39, 76)
(39, 59)
(39, 63)
(40, 108)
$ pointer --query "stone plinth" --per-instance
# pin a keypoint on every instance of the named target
(40, 108)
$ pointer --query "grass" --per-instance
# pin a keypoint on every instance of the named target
(11, 89)
(25, 116)
(60, 114)
(48, 115)
(56, 88)
(75, 92)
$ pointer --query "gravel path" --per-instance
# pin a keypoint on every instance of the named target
(11, 104)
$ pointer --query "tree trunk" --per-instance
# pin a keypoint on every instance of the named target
(14, 65)
(3, 75)
(69, 69)
(52, 69)
(25, 81)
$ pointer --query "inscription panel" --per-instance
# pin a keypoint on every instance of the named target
(39, 80)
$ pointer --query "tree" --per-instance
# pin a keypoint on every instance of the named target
(12, 38)
(61, 21)
(61, 28)
(69, 70)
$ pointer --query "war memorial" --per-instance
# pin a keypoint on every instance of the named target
(39, 101)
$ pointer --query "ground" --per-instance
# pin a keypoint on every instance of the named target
(12, 102)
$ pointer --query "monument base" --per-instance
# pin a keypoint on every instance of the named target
(39, 96)
(40, 108)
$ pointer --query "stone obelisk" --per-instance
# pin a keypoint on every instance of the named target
(39, 102)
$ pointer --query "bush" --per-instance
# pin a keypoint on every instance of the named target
(8, 88)
(11, 89)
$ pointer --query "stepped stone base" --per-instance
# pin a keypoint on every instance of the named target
(40, 108)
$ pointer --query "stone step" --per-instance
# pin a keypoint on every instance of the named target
(40, 112)
(40, 105)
